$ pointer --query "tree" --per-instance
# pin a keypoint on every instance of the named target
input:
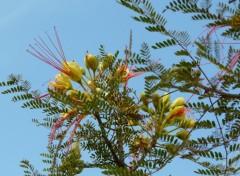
(128, 134)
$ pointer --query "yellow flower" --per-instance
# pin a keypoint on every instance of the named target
(176, 114)
(62, 82)
(75, 72)
(125, 73)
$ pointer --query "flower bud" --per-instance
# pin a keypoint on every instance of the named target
(87, 96)
(187, 123)
(108, 58)
(198, 73)
(101, 66)
(172, 149)
(91, 62)
(141, 142)
(91, 84)
(144, 99)
(183, 135)
(166, 99)
(177, 102)
(75, 148)
(235, 21)
(74, 93)
(99, 90)
(156, 99)
(131, 122)
(106, 62)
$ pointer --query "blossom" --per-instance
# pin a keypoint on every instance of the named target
(75, 71)
(43, 52)
(178, 113)
(126, 73)
(62, 82)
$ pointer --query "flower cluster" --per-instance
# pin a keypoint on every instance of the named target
(72, 74)
(165, 118)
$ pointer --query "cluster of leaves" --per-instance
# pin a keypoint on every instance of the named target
(218, 99)
(126, 135)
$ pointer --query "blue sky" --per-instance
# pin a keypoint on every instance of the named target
(82, 25)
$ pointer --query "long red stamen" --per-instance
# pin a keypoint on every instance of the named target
(42, 96)
(213, 30)
(234, 61)
(54, 129)
(59, 44)
(45, 54)
(79, 119)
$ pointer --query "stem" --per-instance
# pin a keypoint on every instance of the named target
(118, 162)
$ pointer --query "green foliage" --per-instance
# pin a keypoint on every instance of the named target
(130, 135)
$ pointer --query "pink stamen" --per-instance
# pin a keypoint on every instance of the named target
(42, 96)
(213, 30)
(79, 119)
(54, 129)
(234, 61)
(45, 54)
(58, 124)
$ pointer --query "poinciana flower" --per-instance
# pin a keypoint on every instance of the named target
(62, 82)
(43, 52)
(176, 114)
(126, 73)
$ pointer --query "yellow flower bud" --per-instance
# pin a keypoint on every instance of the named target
(99, 90)
(131, 122)
(106, 62)
(172, 149)
(177, 102)
(141, 142)
(87, 96)
(166, 99)
(75, 148)
(73, 93)
(144, 99)
(91, 85)
(235, 21)
(187, 123)
(101, 66)
(183, 135)
(91, 62)
(156, 99)
(75, 71)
